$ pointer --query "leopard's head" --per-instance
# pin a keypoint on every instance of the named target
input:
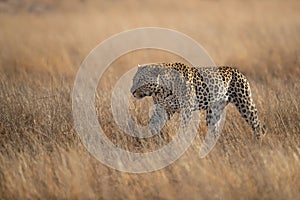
(146, 80)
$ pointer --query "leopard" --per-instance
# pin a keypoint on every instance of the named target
(179, 88)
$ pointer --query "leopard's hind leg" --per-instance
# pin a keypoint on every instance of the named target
(214, 122)
(240, 95)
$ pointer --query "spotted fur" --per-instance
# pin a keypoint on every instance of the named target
(176, 87)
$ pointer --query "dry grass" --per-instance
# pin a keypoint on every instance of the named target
(42, 45)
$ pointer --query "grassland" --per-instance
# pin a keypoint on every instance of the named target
(42, 45)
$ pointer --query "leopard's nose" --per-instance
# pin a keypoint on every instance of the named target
(132, 90)
(133, 93)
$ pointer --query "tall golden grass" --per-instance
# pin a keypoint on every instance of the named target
(42, 45)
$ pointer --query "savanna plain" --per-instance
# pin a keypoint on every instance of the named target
(42, 46)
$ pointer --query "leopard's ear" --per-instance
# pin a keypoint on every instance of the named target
(139, 66)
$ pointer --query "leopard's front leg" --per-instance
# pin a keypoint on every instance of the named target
(158, 119)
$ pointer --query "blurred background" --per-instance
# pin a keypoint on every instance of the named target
(42, 46)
